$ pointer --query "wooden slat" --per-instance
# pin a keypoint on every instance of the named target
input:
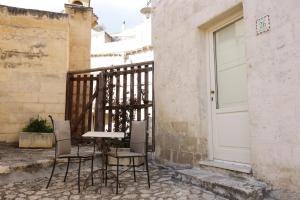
(112, 104)
(78, 120)
(131, 93)
(82, 78)
(135, 70)
(139, 93)
(99, 115)
(110, 100)
(101, 69)
(90, 114)
(128, 106)
(117, 111)
(146, 95)
(115, 73)
(67, 107)
(124, 100)
(77, 102)
(71, 100)
(84, 104)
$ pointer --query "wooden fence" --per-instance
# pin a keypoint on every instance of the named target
(110, 98)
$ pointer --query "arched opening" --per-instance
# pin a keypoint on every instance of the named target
(78, 3)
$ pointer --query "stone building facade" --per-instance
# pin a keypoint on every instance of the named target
(192, 41)
(37, 48)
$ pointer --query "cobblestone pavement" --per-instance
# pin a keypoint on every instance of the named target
(162, 187)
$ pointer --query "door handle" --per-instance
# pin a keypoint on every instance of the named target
(212, 92)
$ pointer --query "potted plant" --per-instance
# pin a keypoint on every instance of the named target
(37, 134)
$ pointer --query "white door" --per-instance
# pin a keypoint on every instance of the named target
(230, 118)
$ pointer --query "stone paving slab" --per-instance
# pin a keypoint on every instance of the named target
(162, 187)
(13, 158)
(26, 171)
(283, 195)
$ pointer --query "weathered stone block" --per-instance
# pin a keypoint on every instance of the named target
(54, 108)
(36, 140)
(185, 157)
(189, 144)
(33, 108)
(35, 54)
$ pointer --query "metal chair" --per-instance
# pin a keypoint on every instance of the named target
(138, 148)
(62, 133)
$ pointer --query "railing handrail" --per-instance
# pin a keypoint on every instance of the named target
(85, 71)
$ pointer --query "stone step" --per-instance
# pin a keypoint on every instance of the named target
(231, 187)
(227, 168)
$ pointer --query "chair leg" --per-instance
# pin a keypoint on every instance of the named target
(106, 163)
(53, 168)
(147, 169)
(133, 166)
(103, 167)
(117, 186)
(78, 182)
(67, 170)
(92, 170)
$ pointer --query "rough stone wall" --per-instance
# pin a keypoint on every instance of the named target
(80, 22)
(180, 54)
(33, 64)
(181, 78)
(274, 92)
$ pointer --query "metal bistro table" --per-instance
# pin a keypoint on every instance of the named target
(102, 135)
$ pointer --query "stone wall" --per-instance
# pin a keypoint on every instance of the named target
(274, 94)
(80, 22)
(180, 47)
(34, 48)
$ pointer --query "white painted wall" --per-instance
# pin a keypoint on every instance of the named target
(130, 40)
(274, 94)
(273, 60)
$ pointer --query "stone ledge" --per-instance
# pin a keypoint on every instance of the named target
(4, 169)
(234, 188)
(227, 166)
(34, 12)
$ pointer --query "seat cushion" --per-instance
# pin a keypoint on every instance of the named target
(74, 155)
(124, 154)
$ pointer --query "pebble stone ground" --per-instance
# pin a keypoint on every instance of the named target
(162, 187)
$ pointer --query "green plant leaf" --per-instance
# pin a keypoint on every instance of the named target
(38, 125)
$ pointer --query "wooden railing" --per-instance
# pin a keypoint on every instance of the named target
(110, 98)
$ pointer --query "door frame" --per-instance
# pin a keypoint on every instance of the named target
(210, 68)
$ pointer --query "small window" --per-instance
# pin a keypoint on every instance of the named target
(78, 3)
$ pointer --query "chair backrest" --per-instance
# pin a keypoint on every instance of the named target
(138, 137)
(62, 132)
